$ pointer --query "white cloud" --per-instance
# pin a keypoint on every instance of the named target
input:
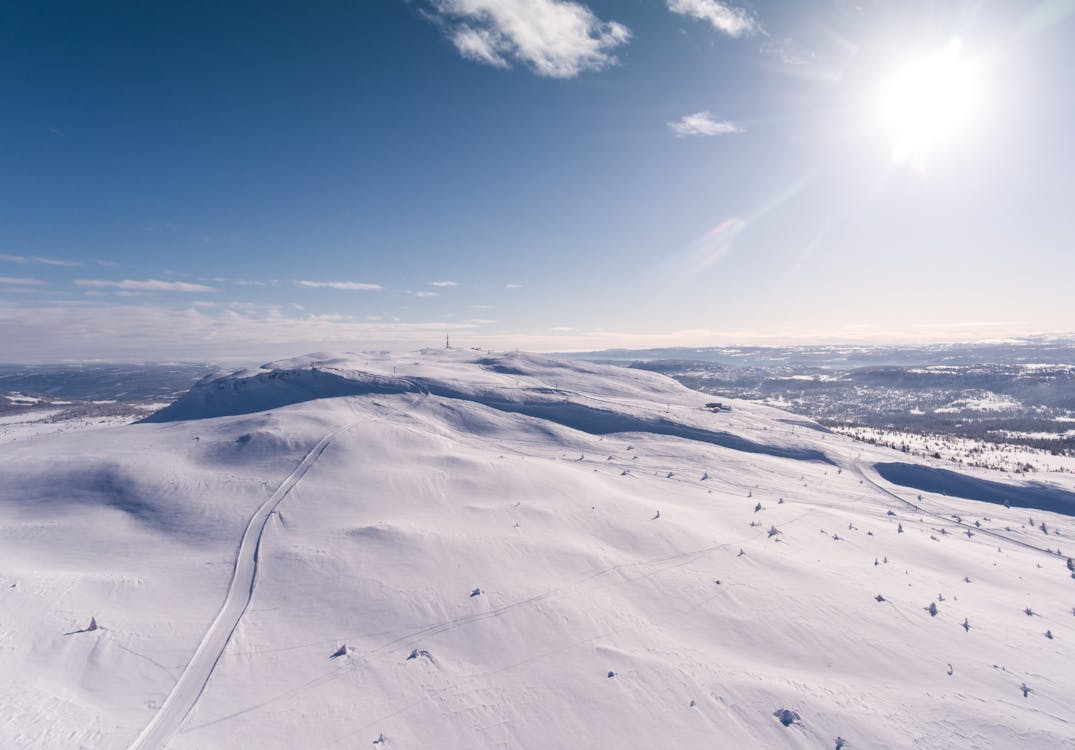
(145, 285)
(240, 282)
(554, 38)
(703, 123)
(49, 331)
(247, 282)
(479, 45)
(55, 262)
(350, 286)
(513, 286)
(24, 259)
(724, 18)
(17, 281)
(423, 293)
(443, 283)
(44, 331)
(788, 52)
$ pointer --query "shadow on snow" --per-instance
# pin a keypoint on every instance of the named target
(954, 484)
(218, 397)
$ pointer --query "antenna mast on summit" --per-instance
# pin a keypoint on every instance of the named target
(446, 345)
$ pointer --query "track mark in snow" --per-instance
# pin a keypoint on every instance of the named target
(191, 684)
(861, 471)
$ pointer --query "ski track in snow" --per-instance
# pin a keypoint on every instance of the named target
(192, 682)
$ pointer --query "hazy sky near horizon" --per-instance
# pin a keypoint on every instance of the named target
(253, 179)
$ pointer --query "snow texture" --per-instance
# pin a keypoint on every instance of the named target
(349, 506)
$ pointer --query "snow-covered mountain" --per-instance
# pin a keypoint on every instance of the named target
(459, 549)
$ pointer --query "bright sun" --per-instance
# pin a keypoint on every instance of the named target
(928, 103)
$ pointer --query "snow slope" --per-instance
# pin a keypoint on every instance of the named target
(460, 549)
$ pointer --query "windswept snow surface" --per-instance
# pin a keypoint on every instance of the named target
(459, 549)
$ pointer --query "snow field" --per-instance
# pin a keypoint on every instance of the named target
(382, 542)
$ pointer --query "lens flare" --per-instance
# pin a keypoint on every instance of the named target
(929, 102)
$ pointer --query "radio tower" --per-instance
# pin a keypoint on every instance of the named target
(446, 345)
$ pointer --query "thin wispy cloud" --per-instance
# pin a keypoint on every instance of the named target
(248, 282)
(724, 18)
(513, 286)
(443, 283)
(144, 285)
(92, 328)
(423, 293)
(554, 38)
(703, 124)
(238, 282)
(787, 52)
(17, 281)
(37, 293)
(158, 226)
(348, 286)
(28, 259)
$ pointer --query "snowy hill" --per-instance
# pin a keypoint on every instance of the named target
(460, 549)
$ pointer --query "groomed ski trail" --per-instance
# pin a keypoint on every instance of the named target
(190, 685)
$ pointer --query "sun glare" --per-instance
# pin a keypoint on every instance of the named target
(929, 102)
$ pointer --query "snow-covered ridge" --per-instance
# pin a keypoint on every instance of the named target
(465, 374)
(580, 396)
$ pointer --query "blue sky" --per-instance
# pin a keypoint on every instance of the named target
(215, 179)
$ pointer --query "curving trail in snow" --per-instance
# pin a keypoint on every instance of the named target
(190, 685)
(867, 472)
